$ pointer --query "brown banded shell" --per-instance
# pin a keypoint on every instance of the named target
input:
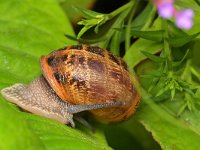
(83, 74)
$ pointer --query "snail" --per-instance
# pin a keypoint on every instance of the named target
(75, 79)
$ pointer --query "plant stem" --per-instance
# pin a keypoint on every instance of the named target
(186, 75)
(119, 10)
(128, 28)
(166, 49)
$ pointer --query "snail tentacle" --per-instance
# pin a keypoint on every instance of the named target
(79, 108)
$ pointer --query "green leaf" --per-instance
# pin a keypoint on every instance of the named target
(154, 58)
(135, 136)
(149, 35)
(169, 131)
(153, 74)
(84, 29)
(97, 21)
(55, 135)
(86, 41)
(116, 35)
(180, 41)
(173, 92)
(115, 42)
(110, 33)
(69, 6)
(195, 72)
(133, 56)
(27, 32)
(42, 133)
(175, 64)
(161, 91)
(145, 18)
(173, 30)
(86, 13)
(181, 109)
(15, 131)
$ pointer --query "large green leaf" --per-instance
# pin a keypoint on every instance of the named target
(58, 136)
(15, 132)
(134, 136)
(171, 132)
(29, 29)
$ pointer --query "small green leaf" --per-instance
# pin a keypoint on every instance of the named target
(86, 41)
(154, 58)
(161, 91)
(84, 29)
(153, 85)
(86, 13)
(153, 74)
(175, 64)
(195, 72)
(145, 18)
(173, 92)
(115, 43)
(180, 41)
(133, 56)
(181, 109)
(115, 23)
(89, 23)
(70, 10)
(174, 31)
(149, 35)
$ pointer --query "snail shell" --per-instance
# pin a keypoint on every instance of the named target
(90, 75)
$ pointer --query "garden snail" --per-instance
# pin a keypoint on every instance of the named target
(75, 79)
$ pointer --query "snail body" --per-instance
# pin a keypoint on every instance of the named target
(75, 79)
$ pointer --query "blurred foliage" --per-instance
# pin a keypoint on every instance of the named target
(165, 58)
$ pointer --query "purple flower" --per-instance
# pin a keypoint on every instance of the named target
(166, 10)
(184, 19)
